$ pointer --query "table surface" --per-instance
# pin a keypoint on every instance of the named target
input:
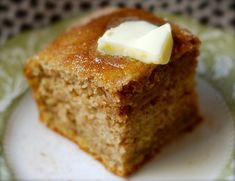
(21, 15)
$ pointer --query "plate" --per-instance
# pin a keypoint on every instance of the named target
(34, 151)
(31, 151)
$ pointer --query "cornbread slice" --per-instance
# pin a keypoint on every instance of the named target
(119, 110)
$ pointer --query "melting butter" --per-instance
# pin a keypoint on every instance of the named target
(140, 40)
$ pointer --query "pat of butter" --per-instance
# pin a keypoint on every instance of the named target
(140, 40)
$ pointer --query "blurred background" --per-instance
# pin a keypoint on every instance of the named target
(21, 15)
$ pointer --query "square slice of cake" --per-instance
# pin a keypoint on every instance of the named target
(119, 110)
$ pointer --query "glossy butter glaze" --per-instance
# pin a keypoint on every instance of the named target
(75, 50)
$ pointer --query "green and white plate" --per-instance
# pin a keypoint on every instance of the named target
(29, 151)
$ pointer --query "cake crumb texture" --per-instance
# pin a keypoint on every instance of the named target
(119, 110)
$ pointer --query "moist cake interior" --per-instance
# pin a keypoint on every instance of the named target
(119, 110)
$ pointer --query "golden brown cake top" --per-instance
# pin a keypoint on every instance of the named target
(75, 49)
